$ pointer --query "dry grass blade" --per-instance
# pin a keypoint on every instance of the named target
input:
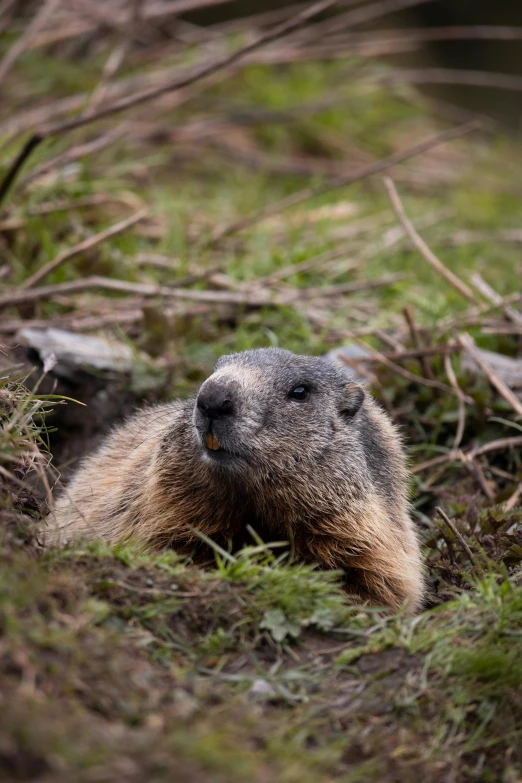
(451, 33)
(498, 81)
(20, 296)
(382, 358)
(457, 534)
(74, 153)
(81, 247)
(489, 293)
(461, 397)
(425, 365)
(118, 55)
(469, 346)
(497, 445)
(346, 288)
(460, 456)
(421, 245)
(116, 19)
(512, 501)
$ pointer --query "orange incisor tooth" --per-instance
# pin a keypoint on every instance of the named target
(212, 442)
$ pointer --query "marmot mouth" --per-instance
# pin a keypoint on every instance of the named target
(212, 442)
(216, 452)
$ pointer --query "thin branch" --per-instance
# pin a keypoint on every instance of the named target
(458, 535)
(497, 81)
(461, 456)
(491, 295)
(512, 501)
(475, 468)
(421, 245)
(448, 33)
(380, 357)
(20, 296)
(398, 356)
(425, 365)
(74, 153)
(115, 19)
(497, 445)
(469, 346)
(452, 378)
(81, 247)
(117, 56)
(345, 288)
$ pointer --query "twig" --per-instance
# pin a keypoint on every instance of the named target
(475, 468)
(380, 357)
(425, 366)
(458, 535)
(450, 33)
(365, 13)
(452, 378)
(21, 44)
(497, 445)
(75, 153)
(135, 99)
(359, 174)
(81, 247)
(345, 288)
(502, 473)
(5, 13)
(452, 456)
(469, 346)
(491, 295)
(422, 247)
(460, 456)
(117, 56)
(397, 356)
(306, 266)
(116, 19)
(498, 81)
(20, 296)
(512, 501)
(469, 237)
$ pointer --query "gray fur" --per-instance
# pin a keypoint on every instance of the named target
(328, 472)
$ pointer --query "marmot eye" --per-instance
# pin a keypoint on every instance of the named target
(299, 393)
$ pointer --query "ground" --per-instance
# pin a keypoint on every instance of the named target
(121, 664)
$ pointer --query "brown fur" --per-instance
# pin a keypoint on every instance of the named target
(328, 473)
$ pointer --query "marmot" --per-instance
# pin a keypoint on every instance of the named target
(286, 444)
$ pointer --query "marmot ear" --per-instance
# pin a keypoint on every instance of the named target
(353, 398)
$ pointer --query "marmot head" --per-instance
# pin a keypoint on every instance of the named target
(271, 408)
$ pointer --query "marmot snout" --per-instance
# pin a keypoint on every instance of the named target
(272, 415)
(285, 444)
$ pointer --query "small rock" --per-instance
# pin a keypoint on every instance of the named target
(506, 368)
(350, 351)
(186, 704)
(66, 353)
(261, 690)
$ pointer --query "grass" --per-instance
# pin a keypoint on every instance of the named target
(119, 664)
(173, 657)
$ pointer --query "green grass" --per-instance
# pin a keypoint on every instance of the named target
(170, 655)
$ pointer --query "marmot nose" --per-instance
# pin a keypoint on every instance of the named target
(215, 401)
